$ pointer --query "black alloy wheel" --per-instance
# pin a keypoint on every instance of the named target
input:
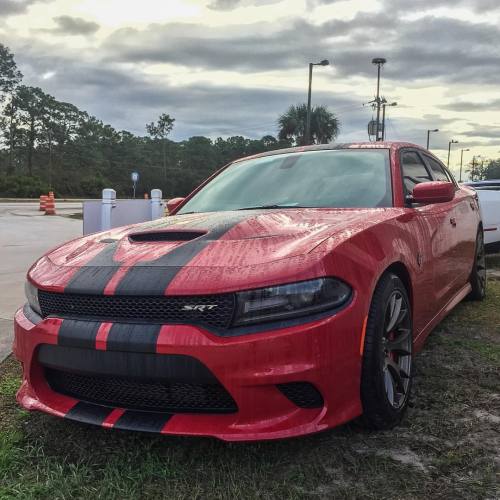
(478, 274)
(387, 356)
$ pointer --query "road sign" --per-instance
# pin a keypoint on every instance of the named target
(135, 176)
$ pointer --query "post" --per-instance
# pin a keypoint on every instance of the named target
(449, 150)
(428, 136)
(156, 204)
(378, 102)
(307, 138)
(461, 163)
(108, 202)
(383, 121)
(473, 168)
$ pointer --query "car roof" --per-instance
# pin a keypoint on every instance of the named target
(393, 145)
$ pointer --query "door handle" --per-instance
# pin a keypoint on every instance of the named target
(453, 221)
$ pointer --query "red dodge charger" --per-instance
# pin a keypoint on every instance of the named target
(286, 295)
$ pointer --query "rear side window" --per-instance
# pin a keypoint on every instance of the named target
(438, 171)
(414, 170)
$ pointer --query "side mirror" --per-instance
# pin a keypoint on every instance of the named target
(173, 204)
(433, 192)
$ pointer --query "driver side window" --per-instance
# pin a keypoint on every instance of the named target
(414, 170)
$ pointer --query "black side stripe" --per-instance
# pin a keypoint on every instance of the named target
(133, 337)
(74, 333)
(142, 421)
(89, 413)
(93, 277)
(153, 277)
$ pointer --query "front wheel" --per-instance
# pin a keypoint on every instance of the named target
(387, 355)
(478, 274)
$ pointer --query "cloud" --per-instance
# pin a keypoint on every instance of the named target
(224, 4)
(444, 49)
(233, 4)
(68, 25)
(423, 5)
(13, 7)
(467, 106)
(491, 132)
(128, 99)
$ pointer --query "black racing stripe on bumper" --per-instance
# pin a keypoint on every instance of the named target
(73, 333)
(153, 277)
(88, 413)
(93, 277)
(142, 421)
(133, 337)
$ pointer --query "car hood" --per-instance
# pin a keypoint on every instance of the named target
(126, 259)
(245, 238)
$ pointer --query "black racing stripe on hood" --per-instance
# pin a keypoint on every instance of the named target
(133, 420)
(74, 333)
(153, 277)
(132, 337)
(88, 413)
(93, 277)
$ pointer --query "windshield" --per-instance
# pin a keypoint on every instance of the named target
(329, 178)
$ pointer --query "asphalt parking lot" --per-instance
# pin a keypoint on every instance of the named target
(26, 234)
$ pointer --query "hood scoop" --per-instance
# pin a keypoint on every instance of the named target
(155, 236)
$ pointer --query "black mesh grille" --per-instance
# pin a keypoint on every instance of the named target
(211, 310)
(303, 394)
(122, 392)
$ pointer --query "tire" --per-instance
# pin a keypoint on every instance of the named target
(387, 356)
(478, 274)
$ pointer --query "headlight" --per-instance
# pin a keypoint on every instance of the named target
(32, 295)
(290, 301)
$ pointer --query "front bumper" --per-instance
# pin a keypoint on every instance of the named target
(324, 353)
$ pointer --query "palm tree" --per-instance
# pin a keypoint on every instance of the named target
(325, 126)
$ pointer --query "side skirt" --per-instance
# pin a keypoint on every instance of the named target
(452, 303)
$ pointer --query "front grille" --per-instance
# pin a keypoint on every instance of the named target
(145, 395)
(303, 394)
(161, 309)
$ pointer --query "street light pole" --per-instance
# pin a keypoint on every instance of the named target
(428, 135)
(384, 104)
(379, 62)
(449, 151)
(307, 136)
(462, 162)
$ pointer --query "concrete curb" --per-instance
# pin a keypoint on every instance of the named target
(6, 336)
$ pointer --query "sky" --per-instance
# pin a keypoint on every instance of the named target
(231, 67)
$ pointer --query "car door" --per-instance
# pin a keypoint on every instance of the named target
(463, 220)
(436, 219)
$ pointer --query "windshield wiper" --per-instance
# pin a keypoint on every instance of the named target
(264, 207)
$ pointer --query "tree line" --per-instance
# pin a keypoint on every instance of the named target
(49, 144)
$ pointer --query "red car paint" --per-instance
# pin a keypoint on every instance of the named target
(433, 257)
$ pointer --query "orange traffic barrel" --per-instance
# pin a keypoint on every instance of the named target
(43, 201)
(146, 196)
(50, 207)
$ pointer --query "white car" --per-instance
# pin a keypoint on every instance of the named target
(489, 202)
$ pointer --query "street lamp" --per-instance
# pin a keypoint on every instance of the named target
(429, 133)
(384, 104)
(379, 62)
(449, 150)
(462, 162)
(307, 138)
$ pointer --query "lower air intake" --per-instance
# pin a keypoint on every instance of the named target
(303, 394)
(122, 392)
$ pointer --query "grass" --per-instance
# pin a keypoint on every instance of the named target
(447, 446)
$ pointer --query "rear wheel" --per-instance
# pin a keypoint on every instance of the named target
(387, 355)
(478, 274)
